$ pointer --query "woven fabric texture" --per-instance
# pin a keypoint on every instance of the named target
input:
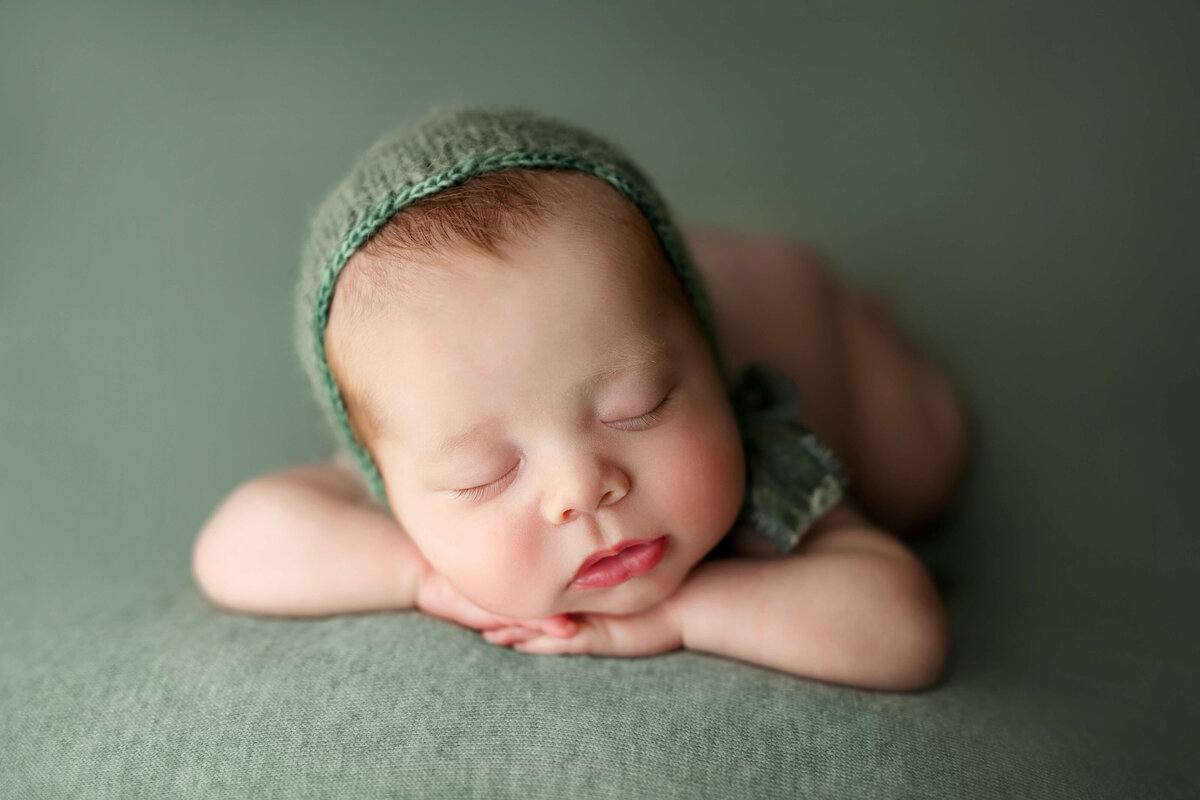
(183, 701)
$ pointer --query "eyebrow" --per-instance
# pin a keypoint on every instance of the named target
(649, 353)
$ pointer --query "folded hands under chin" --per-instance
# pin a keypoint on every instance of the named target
(646, 633)
(655, 630)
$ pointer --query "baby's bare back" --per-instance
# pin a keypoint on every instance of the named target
(889, 415)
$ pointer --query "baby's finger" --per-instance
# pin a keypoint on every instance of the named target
(548, 645)
(560, 625)
(508, 636)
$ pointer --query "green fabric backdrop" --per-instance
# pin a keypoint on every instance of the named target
(1022, 178)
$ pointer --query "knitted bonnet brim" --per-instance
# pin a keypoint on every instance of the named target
(446, 148)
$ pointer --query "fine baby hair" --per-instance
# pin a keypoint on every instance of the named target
(792, 478)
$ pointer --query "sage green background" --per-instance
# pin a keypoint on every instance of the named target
(1022, 178)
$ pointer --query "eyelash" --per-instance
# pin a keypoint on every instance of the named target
(486, 490)
(647, 419)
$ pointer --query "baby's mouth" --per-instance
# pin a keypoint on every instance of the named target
(620, 563)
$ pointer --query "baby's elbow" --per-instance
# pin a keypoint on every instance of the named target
(924, 647)
(218, 561)
(210, 559)
(924, 664)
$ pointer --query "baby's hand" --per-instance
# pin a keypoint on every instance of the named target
(438, 597)
(656, 630)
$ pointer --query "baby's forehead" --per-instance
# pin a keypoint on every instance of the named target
(520, 334)
(404, 270)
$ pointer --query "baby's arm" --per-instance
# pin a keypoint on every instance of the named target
(308, 541)
(853, 605)
(305, 542)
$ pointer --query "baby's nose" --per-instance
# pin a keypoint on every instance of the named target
(609, 498)
(584, 490)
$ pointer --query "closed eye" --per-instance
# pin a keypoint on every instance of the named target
(485, 490)
(649, 419)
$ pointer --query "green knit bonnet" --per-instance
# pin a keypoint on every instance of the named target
(452, 145)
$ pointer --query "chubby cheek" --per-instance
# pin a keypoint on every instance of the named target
(701, 481)
(512, 575)
(495, 563)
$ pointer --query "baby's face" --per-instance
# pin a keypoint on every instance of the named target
(548, 405)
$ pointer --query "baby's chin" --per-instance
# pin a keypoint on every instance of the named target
(625, 605)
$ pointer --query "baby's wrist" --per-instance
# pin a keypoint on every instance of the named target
(675, 610)
(694, 603)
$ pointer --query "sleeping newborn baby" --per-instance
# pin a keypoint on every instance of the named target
(558, 429)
